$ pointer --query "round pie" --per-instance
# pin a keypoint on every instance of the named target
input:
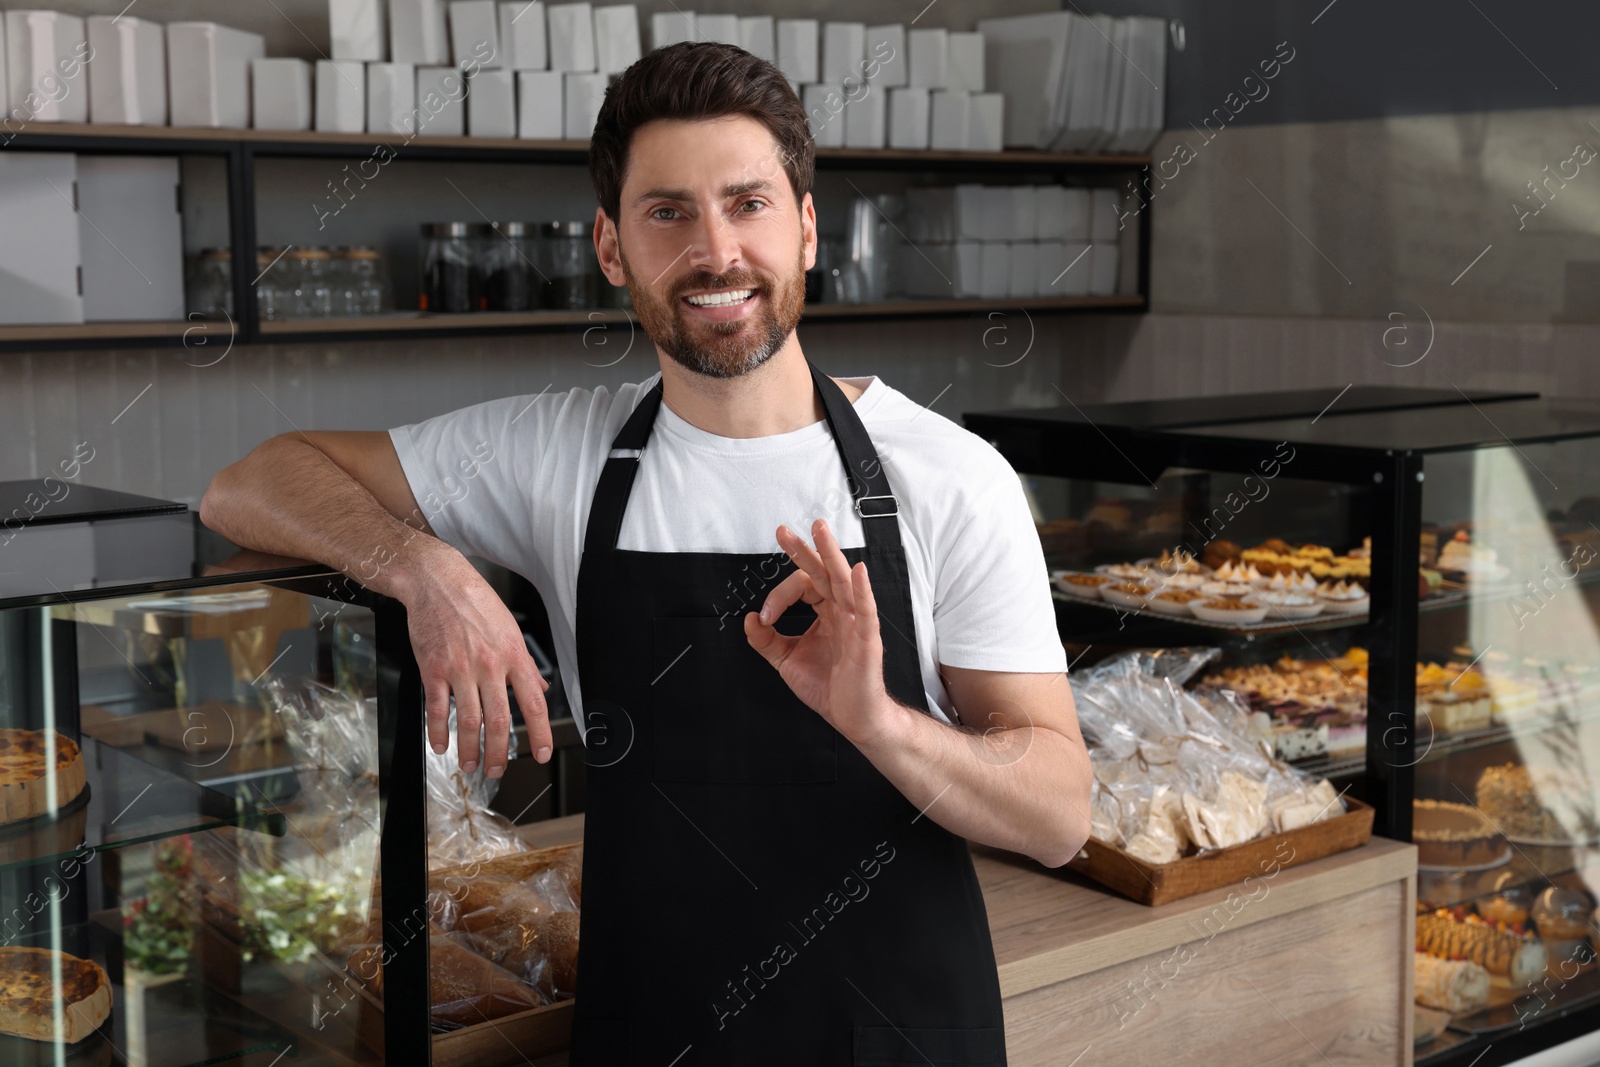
(28, 995)
(25, 785)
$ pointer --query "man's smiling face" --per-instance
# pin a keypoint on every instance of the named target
(706, 209)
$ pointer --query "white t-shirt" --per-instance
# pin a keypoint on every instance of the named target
(511, 481)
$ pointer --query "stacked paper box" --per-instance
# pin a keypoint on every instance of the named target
(569, 28)
(391, 98)
(440, 93)
(964, 63)
(541, 113)
(950, 117)
(475, 34)
(1022, 276)
(492, 104)
(616, 37)
(908, 118)
(797, 50)
(1103, 270)
(928, 63)
(672, 27)
(357, 29)
(341, 96)
(522, 38)
(825, 107)
(584, 95)
(866, 115)
(418, 33)
(886, 47)
(208, 73)
(758, 36)
(986, 122)
(723, 28)
(281, 92)
(128, 77)
(844, 46)
(46, 68)
(947, 270)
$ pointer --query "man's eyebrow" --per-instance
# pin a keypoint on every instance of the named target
(736, 189)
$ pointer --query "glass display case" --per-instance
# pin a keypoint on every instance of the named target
(197, 748)
(1402, 584)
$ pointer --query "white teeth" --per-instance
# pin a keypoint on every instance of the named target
(720, 299)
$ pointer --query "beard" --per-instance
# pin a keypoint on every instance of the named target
(721, 349)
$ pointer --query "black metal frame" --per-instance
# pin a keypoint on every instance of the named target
(240, 156)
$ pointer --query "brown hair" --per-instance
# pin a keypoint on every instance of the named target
(696, 80)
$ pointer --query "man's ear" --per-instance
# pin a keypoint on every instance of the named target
(808, 230)
(605, 248)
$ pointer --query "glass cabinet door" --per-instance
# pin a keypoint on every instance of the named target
(185, 882)
(1507, 809)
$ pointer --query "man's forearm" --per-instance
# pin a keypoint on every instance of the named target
(288, 498)
(1022, 789)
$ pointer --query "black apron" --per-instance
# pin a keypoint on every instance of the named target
(755, 891)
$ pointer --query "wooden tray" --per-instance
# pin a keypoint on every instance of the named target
(509, 1039)
(1150, 883)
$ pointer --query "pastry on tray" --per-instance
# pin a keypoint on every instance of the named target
(29, 994)
(1505, 955)
(25, 787)
(1455, 986)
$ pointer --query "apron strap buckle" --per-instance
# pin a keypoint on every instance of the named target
(892, 510)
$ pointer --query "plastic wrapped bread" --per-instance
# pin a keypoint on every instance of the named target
(1454, 986)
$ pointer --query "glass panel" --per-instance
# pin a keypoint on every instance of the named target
(1507, 816)
(213, 852)
(1291, 552)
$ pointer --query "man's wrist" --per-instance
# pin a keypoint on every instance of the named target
(409, 569)
(893, 724)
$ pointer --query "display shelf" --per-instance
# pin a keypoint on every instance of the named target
(130, 802)
(241, 149)
(188, 1023)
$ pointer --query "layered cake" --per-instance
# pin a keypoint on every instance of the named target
(1453, 835)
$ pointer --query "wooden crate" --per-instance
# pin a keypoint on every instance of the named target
(509, 1039)
(1150, 883)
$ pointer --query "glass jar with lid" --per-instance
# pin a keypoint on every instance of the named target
(274, 285)
(570, 265)
(508, 264)
(311, 269)
(452, 269)
(367, 290)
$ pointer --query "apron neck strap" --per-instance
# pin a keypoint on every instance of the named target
(870, 492)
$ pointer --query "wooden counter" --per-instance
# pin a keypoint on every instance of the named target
(1307, 965)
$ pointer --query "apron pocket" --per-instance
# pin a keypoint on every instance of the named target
(720, 713)
(886, 1046)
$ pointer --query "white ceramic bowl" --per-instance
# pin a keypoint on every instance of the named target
(1083, 591)
(1171, 607)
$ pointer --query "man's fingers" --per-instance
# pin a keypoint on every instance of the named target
(795, 587)
(529, 685)
(866, 604)
(805, 557)
(839, 580)
(436, 697)
(469, 718)
(497, 726)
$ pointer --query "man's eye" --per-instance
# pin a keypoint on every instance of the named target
(747, 203)
(661, 209)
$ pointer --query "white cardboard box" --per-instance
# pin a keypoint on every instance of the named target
(584, 93)
(281, 94)
(950, 114)
(571, 34)
(1103, 217)
(492, 104)
(475, 34)
(358, 30)
(986, 122)
(45, 64)
(128, 78)
(964, 62)
(797, 50)
(1103, 269)
(723, 28)
(758, 36)
(996, 213)
(208, 74)
(1022, 277)
(942, 270)
(970, 211)
(994, 272)
(929, 61)
(39, 257)
(886, 46)
(908, 118)
(133, 254)
(616, 38)
(541, 115)
(1024, 213)
(1075, 282)
(418, 33)
(441, 95)
(866, 116)
(1052, 261)
(341, 96)
(844, 46)
(672, 27)
(825, 106)
(930, 214)
(391, 98)
(522, 37)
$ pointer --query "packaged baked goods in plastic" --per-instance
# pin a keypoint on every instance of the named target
(461, 826)
(502, 919)
(464, 988)
(1179, 771)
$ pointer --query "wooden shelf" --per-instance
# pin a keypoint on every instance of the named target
(10, 336)
(286, 142)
